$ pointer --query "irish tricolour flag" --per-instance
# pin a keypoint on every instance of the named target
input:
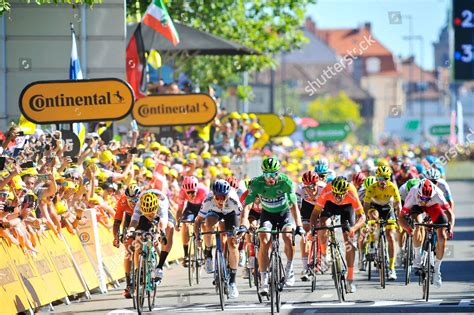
(158, 18)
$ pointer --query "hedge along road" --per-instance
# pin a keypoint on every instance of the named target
(456, 294)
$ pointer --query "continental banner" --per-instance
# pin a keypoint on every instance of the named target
(175, 110)
(49, 102)
(12, 294)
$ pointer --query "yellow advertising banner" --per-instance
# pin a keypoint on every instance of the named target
(289, 126)
(271, 123)
(82, 260)
(12, 294)
(48, 102)
(63, 264)
(34, 286)
(113, 257)
(175, 110)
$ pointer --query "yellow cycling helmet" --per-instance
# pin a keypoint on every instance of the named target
(340, 185)
(149, 203)
(383, 171)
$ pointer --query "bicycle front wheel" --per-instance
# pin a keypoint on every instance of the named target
(141, 284)
(335, 275)
(427, 274)
(313, 255)
(219, 278)
(381, 262)
(191, 261)
(408, 259)
(273, 284)
(342, 278)
(151, 289)
(133, 280)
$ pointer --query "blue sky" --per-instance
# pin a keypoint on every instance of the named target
(429, 16)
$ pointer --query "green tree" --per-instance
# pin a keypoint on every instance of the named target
(5, 5)
(336, 109)
(268, 26)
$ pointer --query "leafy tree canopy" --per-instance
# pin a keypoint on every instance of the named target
(338, 109)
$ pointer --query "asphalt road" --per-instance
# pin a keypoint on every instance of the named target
(456, 294)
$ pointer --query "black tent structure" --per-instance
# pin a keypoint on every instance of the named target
(192, 42)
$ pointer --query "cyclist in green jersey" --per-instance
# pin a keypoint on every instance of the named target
(277, 196)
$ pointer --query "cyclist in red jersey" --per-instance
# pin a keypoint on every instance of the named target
(190, 199)
(124, 212)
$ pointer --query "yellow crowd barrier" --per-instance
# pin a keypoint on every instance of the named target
(177, 251)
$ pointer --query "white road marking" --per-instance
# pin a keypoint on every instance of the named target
(388, 303)
(122, 312)
(326, 296)
(333, 304)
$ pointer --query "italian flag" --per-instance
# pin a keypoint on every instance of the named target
(158, 18)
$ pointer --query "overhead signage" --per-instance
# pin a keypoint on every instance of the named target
(271, 123)
(289, 126)
(67, 101)
(175, 110)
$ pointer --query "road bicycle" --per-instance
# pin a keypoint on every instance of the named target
(221, 268)
(314, 259)
(427, 257)
(195, 258)
(338, 265)
(408, 254)
(277, 272)
(380, 258)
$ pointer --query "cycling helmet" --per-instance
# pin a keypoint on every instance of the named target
(233, 182)
(271, 165)
(321, 169)
(149, 203)
(426, 189)
(411, 183)
(406, 166)
(132, 191)
(221, 188)
(369, 181)
(358, 179)
(331, 176)
(309, 178)
(322, 161)
(430, 159)
(383, 171)
(190, 183)
(433, 174)
(420, 168)
(340, 185)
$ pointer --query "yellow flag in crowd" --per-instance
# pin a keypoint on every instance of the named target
(154, 59)
(101, 130)
(26, 126)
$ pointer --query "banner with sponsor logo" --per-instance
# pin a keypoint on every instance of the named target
(49, 102)
(175, 110)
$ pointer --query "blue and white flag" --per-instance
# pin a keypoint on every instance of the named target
(75, 73)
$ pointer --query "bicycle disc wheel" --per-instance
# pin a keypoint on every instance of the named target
(427, 279)
(408, 259)
(219, 279)
(141, 284)
(381, 262)
(191, 259)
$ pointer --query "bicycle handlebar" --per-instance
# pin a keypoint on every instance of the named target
(432, 225)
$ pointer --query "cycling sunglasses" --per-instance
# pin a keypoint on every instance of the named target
(270, 175)
(339, 196)
(3, 194)
(382, 179)
(191, 192)
(310, 186)
(132, 200)
(425, 198)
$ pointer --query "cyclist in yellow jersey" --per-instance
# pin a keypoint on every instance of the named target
(380, 201)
